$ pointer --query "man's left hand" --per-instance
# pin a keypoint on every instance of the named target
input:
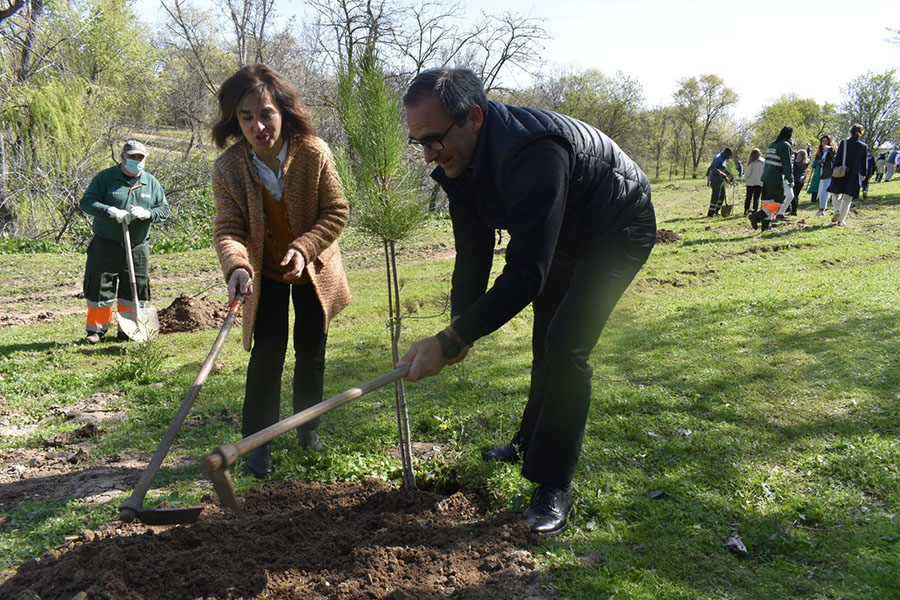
(139, 212)
(425, 358)
(297, 263)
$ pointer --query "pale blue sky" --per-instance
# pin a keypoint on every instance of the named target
(762, 49)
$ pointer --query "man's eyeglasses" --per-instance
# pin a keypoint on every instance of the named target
(436, 144)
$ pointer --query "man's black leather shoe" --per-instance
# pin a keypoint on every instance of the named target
(260, 462)
(506, 453)
(550, 507)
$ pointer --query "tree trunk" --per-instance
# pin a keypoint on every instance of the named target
(390, 255)
(37, 9)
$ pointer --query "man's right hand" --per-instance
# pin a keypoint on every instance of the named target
(121, 216)
(239, 283)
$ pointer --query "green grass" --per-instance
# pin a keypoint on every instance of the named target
(746, 384)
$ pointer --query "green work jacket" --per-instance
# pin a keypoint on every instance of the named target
(111, 187)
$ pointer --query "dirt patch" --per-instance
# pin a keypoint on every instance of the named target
(40, 475)
(666, 236)
(301, 540)
(193, 314)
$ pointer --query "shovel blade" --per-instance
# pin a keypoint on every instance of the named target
(169, 516)
(139, 330)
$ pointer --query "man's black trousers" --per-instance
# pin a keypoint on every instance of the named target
(569, 314)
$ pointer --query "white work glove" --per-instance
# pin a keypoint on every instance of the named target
(788, 192)
(122, 216)
(139, 212)
(239, 283)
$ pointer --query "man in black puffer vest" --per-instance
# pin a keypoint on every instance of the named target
(580, 225)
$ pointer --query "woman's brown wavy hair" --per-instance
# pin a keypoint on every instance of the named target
(260, 78)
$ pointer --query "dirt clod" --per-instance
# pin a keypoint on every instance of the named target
(193, 314)
(666, 236)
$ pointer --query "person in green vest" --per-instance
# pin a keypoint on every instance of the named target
(124, 193)
(777, 180)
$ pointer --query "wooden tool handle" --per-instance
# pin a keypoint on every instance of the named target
(136, 501)
(224, 456)
(131, 278)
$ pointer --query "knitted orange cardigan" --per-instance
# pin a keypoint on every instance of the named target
(316, 209)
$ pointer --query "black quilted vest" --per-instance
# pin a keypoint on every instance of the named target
(606, 188)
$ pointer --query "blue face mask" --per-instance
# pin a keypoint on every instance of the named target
(134, 166)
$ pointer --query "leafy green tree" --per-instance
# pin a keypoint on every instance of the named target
(873, 101)
(612, 104)
(104, 43)
(809, 119)
(89, 82)
(700, 104)
(657, 135)
(381, 189)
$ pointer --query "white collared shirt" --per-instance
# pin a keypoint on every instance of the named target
(273, 182)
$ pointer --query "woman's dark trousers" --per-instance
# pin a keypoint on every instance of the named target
(262, 396)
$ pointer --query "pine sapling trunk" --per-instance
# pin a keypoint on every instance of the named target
(390, 256)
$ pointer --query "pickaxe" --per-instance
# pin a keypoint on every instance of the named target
(216, 463)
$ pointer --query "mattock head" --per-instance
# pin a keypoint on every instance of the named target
(221, 480)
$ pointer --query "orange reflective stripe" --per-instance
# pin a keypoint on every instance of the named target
(121, 308)
(771, 207)
(99, 317)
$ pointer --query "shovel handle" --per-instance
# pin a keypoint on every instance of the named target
(126, 234)
(224, 456)
(129, 508)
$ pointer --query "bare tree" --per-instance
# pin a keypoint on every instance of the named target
(658, 126)
(505, 42)
(194, 36)
(8, 11)
(426, 34)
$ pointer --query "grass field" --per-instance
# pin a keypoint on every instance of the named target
(747, 385)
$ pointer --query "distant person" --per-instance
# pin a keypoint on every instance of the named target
(852, 154)
(753, 180)
(581, 226)
(800, 168)
(125, 193)
(879, 167)
(718, 176)
(777, 179)
(279, 211)
(870, 172)
(890, 166)
(812, 187)
(825, 154)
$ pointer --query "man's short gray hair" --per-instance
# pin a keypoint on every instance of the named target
(458, 90)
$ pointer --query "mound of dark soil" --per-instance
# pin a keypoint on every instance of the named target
(301, 540)
(666, 236)
(193, 314)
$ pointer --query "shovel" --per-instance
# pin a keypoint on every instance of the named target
(138, 325)
(726, 208)
(133, 506)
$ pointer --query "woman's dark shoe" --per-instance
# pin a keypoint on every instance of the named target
(550, 507)
(506, 453)
(309, 440)
(260, 462)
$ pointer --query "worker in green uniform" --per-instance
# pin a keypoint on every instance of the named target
(125, 193)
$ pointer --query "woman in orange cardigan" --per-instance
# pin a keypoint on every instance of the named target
(279, 211)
